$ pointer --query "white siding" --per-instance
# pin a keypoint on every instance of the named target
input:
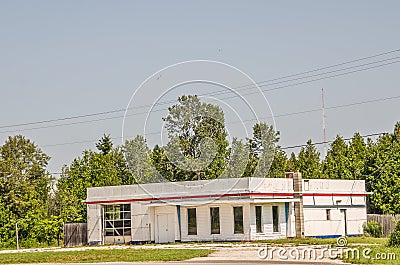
(226, 223)
(94, 225)
(267, 222)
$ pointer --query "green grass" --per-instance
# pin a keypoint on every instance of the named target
(377, 252)
(101, 255)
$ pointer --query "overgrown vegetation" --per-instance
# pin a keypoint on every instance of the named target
(394, 239)
(373, 229)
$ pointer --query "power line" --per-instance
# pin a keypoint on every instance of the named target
(234, 96)
(248, 120)
(251, 86)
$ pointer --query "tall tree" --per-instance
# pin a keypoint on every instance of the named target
(292, 164)
(263, 146)
(308, 161)
(24, 188)
(197, 138)
(357, 156)
(92, 169)
(335, 165)
(383, 175)
(237, 161)
(279, 165)
(137, 155)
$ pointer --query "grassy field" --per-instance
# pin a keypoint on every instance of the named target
(102, 255)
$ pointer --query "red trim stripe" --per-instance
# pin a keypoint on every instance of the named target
(274, 195)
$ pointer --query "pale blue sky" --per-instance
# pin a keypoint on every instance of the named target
(65, 58)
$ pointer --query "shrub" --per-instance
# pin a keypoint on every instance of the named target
(373, 229)
(394, 239)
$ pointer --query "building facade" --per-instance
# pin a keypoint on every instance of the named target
(243, 209)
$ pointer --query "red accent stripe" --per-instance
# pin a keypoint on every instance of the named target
(335, 194)
(249, 194)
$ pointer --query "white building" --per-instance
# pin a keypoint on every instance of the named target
(242, 209)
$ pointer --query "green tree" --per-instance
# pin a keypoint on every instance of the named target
(137, 155)
(238, 158)
(308, 161)
(197, 135)
(105, 144)
(292, 163)
(357, 156)
(279, 165)
(336, 163)
(24, 188)
(263, 146)
(383, 175)
(106, 168)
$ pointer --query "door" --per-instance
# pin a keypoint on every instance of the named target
(165, 225)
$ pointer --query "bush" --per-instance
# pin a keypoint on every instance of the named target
(394, 239)
(373, 229)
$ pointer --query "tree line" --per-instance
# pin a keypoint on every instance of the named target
(198, 148)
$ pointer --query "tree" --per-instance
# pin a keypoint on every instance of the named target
(197, 138)
(106, 168)
(137, 155)
(105, 144)
(357, 156)
(262, 146)
(24, 189)
(238, 158)
(292, 164)
(335, 165)
(383, 175)
(279, 165)
(308, 161)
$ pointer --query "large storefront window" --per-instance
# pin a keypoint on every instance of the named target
(117, 219)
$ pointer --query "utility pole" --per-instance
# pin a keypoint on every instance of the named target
(324, 122)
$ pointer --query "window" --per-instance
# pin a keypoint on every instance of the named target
(214, 215)
(192, 221)
(328, 214)
(117, 220)
(258, 219)
(238, 220)
(275, 218)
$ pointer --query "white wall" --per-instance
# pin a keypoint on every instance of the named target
(267, 222)
(226, 223)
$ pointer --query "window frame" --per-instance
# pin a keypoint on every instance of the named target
(192, 231)
(238, 222)
(259, 228)
(117, 219)
(275, 219)
(216, 230)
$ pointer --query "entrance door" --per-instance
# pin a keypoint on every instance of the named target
(165, 225)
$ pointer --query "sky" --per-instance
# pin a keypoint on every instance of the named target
(62, 59)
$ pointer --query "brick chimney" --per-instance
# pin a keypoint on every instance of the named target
(298, 206)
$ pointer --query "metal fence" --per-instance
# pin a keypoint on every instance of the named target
(387, 222)
(75, 234)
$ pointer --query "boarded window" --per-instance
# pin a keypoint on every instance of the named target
(117, 219)
(192, 221)
(275, 218)
(238, 220)
(258, 219)
(214, 216)
(328, 214)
